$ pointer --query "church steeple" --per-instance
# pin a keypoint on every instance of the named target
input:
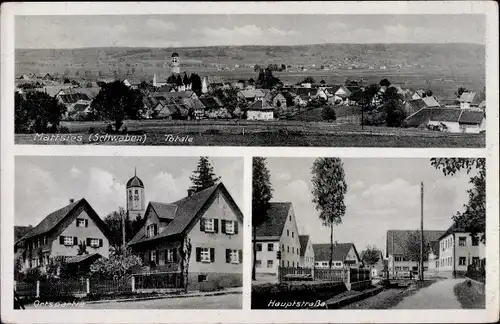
(136, 200)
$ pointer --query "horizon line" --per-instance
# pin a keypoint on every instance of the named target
(249, 45)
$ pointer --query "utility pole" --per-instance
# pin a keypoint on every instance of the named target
(123, 232)
(421, 272)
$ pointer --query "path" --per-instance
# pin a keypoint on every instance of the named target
(439, 295)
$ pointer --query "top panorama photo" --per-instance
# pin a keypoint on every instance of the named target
(251, 80)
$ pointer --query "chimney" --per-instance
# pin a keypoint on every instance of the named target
(71, 201)
(191, 191)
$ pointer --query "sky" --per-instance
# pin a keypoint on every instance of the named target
(382, 194)
(220, 30)
(44, 184)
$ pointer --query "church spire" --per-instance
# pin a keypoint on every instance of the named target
(135, 171)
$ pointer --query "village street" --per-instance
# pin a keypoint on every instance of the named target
(439, 295)
(228, 301)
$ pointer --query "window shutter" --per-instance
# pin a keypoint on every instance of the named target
(228, 256)
(157, 261)
(155, 229)
(75, 240)
(212, 255)
(100, 242)
(223, 226)
(86, 223)
(235, 227)
(61, 240)
(216, 225)
(240, 256)
(87, 241)
(202, 224)
(175, 255)
(198, 254)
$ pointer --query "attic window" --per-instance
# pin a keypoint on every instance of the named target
(209, 225)
(151, 230)
(80, 222)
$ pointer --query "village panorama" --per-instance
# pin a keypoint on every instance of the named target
(385, 96)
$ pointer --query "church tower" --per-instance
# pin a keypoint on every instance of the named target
(175, 63)
(136, 200)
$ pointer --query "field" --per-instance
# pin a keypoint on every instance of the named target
(271, 133)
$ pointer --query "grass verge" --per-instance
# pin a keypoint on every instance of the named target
(470, 294)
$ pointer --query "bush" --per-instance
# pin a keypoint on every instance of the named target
(63, 130)
(33, 275)
(109, 129)
(91, 130)
(328, 113)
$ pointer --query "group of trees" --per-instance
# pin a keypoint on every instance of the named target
(266, 80)
(193, 79)
(37, 112)
(271, 67)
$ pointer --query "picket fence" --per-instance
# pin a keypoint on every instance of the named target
(142, 282)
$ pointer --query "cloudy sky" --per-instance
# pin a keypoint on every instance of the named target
(382, 194)
(210, 30)
(45, 184)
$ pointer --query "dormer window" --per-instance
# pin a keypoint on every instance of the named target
(80, 222)
(151, 230)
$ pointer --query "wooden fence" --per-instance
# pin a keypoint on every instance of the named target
(158, 280)
(347, 275)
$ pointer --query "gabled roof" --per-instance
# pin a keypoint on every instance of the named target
(260, 105)
(439, 114)
(186, 211)
(55, 218)
(20, 231)
(73, 97)
(275, 222)
(80, 107)
(309, 92)
(452, 229)
(210, 102)
(416, 104)
(471, 117)
(304, 239)
(396, 239)
(252, 93)
(430, 101)
(340, 251)
(467, 96)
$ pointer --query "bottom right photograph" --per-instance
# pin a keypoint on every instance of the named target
(368, 233)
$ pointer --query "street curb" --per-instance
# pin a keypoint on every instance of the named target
(351, 299)
(162, 297)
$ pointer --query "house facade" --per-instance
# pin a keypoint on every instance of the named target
(60, 234)
(396, 242)
(457, 250)
(210, 222)
(278, 233)
(344, 255)
(306, 252)
(260, 110)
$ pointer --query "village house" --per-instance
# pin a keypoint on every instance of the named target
(279, 101)
(306, 252)
(251, 95)
(453, 120)
(344, 255)
(378, 268)
(414, 105)
(210, 222)
(278, 233)
(187, 99)
(457, 250)
(396, 244)
(60, 233)
(214, 109)
(260, 110)
(470, 99)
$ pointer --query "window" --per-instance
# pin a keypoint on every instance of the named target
(288, 248)
(80, 222)
(406, 268)
(283, 247)
(325, 264)
(209, 224)
(287, 233)
(292, 234)
(290, 218)
(202, 278)
(169, 255)
(152, 256)
(293, 250)
(258, 263)
(288, 263)
(151, 230)
(269, 263)
(462, 241)
(47, 260)
(398, 258)
(94, 242)
(338, 264)
(136, 191)
(475, 260)
(68, 240)
(398, 268)
(437, 264)
(475, 241)
(232, 256)
(45, 240)
(205, 255)
(270, 246)
(229, 227)
(461, 261)
(259, 247)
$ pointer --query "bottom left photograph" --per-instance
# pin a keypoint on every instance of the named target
(128, 232)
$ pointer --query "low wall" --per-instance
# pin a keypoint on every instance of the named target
(214, 281)
(360, 285)
(270, 296)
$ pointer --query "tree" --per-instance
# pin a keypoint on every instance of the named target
(57, 267)
(267, 80)
(308, 79)
(411, 249)
(114, 223)
(115, 267)
(370, 256)
(473, 219)
(178, 80)
(428, 93)
(116, 102)
(323, 82)
(329, 189)
(185, 254)
(251, 81)
(328, 113)
(196, 83)
(185, 79)
(38, 112)
(257, 68)
(172, 79)
(461, 90)
(385, 83)
(203, 177)
(392, 105)
(262, 192)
